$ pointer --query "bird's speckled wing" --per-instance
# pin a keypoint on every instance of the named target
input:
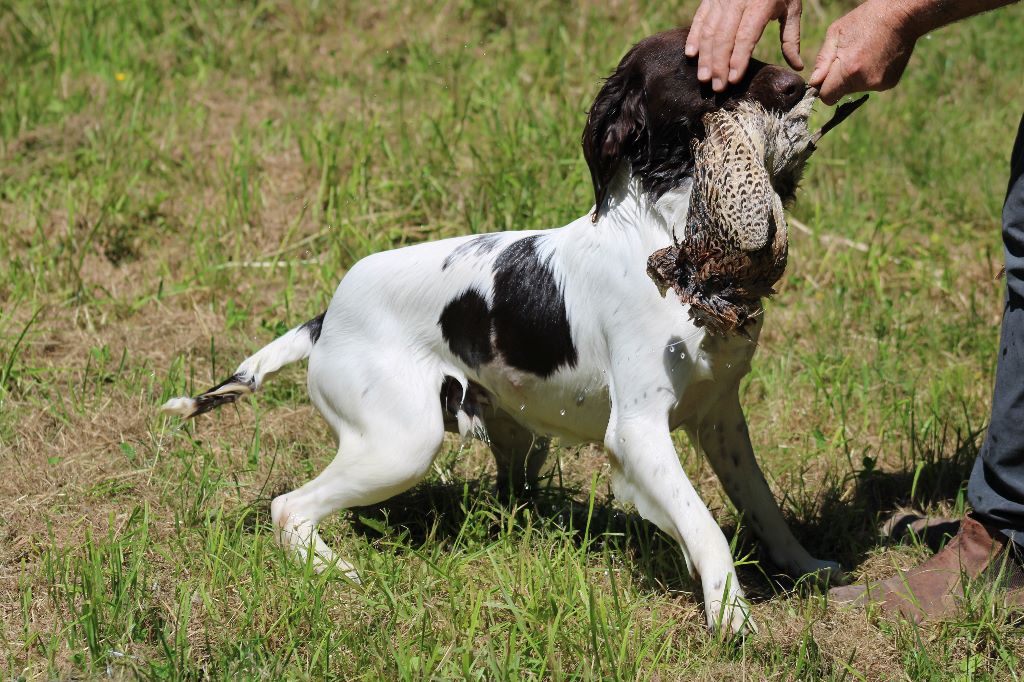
(740, 194)
(735, 242)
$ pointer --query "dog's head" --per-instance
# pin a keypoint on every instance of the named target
(652, 107)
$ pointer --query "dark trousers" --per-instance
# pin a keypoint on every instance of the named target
(996, 488)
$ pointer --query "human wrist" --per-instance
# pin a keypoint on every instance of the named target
(907, 18)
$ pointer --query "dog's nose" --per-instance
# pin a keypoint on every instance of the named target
(776, 88)
(789, 86)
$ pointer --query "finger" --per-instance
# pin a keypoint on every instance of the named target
(826, 56)
(725, 41)
(789, 33)
(707, 42)
(836, 84)
(748, 33)
(693, 36)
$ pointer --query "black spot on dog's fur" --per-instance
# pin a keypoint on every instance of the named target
(527, 315)
(314, 327)
(528, 311)
(477, 246)
(206, 402)
(466, 327)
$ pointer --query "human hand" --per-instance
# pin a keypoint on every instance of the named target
(867, 49)
(724, 32)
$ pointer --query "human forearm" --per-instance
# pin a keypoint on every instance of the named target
(918, 17)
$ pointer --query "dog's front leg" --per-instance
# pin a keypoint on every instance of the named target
(725, 440)
(646, 471)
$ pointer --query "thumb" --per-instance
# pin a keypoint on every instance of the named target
(826, 56)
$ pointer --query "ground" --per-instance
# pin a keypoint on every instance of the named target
(181, 181)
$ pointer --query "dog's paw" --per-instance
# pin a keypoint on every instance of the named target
(298, 537)
(336, 563)
(826, 573)
(731, 618)
(325, 561)
(727, 611)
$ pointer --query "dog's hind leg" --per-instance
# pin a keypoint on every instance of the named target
(518, 453)
(725, 440)
(387, 439)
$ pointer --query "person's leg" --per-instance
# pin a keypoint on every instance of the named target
(996, 487)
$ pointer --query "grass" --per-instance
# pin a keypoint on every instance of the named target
(180, 181)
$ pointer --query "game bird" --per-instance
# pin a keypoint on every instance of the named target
(735, 242)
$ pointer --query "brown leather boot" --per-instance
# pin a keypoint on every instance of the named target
(933, 531)
(931, 590)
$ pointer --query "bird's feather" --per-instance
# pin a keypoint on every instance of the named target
(735, 242)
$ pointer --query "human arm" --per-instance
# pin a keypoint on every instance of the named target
(868, 48)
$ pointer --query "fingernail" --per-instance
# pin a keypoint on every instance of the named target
(703, 73)
(734, 75)
(691, 51)
(716, 84)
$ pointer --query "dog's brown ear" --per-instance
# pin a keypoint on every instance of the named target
(616, 124)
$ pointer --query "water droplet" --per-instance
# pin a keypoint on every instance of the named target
(581, 397)
(522, 407)
(562, 412)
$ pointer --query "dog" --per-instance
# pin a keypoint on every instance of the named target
(518, 337)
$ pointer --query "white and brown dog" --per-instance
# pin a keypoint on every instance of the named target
(515, 337)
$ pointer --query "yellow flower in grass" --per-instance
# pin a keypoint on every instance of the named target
(120, 76)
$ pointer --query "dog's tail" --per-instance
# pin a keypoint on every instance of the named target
(296, 344)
